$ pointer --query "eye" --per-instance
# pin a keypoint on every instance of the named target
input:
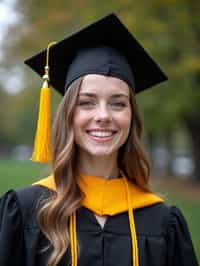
(86, 103)
(119, 104)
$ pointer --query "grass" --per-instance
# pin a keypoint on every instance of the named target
(16, 174)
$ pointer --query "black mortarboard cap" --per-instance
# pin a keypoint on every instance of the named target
(104, 47)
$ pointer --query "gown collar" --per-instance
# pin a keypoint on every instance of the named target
(108, 196)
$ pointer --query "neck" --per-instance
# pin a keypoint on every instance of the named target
(105, 167)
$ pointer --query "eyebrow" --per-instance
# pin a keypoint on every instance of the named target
(93, 95)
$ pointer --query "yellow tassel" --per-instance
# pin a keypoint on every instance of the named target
(42, 144)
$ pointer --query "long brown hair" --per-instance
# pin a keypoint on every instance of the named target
(53, 216)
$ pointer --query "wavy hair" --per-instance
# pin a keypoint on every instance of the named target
(53, 216)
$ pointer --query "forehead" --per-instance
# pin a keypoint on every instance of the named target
(96, 83)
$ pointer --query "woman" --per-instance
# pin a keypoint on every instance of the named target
(96, 208)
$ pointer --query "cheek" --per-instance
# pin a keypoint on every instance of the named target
(80, 120)
(124, 120)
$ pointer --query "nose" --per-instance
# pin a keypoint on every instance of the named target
(103, 113)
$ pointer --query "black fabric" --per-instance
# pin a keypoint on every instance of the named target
(107, 31)
(103, 60)
(162, 232)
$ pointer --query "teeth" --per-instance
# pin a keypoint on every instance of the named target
(101, 134)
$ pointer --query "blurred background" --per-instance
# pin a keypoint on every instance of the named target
(169, 31)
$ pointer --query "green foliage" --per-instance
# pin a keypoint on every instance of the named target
(169, 30)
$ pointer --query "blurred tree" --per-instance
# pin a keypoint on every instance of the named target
(169, 29)
(174, 27)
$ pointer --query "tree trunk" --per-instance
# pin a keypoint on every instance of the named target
(161, 161)
(168, 140)
(193, 127)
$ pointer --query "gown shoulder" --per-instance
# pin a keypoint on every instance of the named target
(11, 231)
(164, 236)
(17, 214)
(180, 248)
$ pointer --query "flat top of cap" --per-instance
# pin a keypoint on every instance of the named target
(109, 31)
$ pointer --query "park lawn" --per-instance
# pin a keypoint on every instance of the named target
(15, 174)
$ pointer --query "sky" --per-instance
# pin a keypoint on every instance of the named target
(8, 17)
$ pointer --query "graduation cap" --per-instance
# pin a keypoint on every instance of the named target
(104, 47)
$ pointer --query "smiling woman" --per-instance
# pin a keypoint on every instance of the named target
(96, 208)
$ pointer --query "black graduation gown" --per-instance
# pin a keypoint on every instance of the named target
(162, 232)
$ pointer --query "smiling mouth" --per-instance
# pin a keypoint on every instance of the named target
(101, 134)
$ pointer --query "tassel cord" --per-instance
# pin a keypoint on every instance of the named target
(135, 250)
(73, 239)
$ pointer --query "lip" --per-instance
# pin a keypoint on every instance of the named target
(101, 130)
(101, 139)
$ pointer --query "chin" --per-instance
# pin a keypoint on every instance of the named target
(100, 153)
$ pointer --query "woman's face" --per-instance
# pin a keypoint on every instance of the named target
(102, 115)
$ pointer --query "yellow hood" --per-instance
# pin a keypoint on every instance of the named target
(108, 196)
